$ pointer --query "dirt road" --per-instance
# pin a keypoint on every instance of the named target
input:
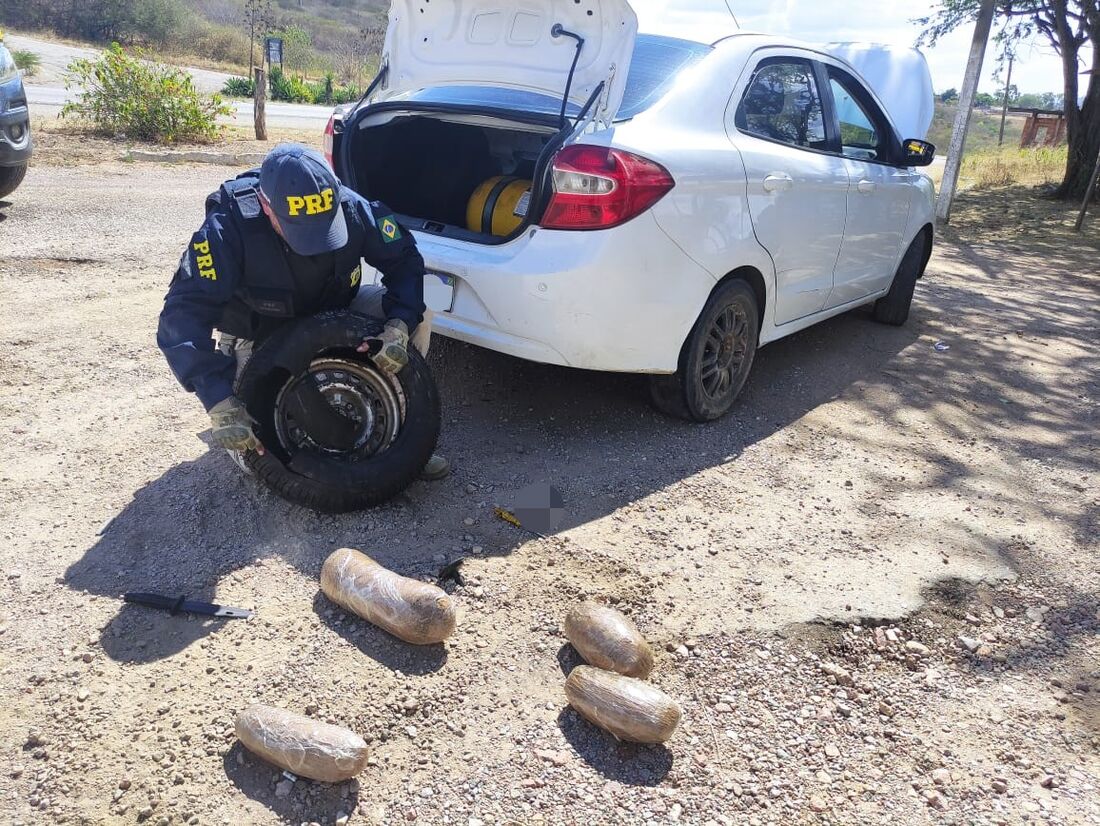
(874, 590)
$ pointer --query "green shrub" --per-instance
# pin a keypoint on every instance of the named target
(346, 94)
(26, 60)
(122, 94)
(323, 91)
(327, 93)
(289, 89)
(239, 87)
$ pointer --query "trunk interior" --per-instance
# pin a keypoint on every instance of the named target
(426, 169)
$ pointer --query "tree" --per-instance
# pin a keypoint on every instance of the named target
(124, 21)
(949, 96)
(259, 20)
(1013, 94)
(984, 100)
(356, 51)
(1050, 100)
(1069, 25)
(298, 54)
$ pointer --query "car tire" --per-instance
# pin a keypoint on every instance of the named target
(716, 359)
(396, 417)
(10, 178)
(893, 308)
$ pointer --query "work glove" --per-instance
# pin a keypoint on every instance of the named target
(231, 426)
(394, 354)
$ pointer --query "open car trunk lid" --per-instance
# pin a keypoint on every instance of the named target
(502, 44)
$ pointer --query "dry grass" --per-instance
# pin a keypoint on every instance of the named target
(1007, 167)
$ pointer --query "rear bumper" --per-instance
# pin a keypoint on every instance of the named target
(621, 300)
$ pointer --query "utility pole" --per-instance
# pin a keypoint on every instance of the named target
(966, 108)
(1004, 109)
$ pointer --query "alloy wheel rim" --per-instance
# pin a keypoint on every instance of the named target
(724, 351)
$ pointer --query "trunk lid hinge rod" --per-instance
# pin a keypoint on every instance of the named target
(560, 31)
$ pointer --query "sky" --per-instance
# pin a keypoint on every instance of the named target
(1037, 68)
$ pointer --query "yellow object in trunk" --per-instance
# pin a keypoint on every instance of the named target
(499, 206)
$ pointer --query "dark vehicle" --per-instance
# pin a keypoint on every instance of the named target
(15, 125)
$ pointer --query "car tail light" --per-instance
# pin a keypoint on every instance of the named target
(597, 188)
(330, 130)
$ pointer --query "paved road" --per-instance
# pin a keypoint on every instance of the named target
(56, 58)
(48, 100)
(47, 94)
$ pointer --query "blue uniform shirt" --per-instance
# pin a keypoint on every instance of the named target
(211, 278)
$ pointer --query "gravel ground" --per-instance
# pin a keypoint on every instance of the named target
(873, 590)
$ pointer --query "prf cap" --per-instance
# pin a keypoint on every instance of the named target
(304, 194)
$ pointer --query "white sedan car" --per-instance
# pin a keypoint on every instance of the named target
(588, 196)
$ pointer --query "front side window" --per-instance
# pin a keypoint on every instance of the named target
(861, 135)
(782, 104)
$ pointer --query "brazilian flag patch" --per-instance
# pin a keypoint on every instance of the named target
(389, 229)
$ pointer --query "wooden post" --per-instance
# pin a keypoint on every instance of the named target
(1004, 108)
(1088, 196)
(259, 94)
(966, 108)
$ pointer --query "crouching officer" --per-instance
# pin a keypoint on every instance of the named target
(278, 243)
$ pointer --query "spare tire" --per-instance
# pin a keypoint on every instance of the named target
(385, 426)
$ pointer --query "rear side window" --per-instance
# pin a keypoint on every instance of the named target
(782, 103)
(656, 64)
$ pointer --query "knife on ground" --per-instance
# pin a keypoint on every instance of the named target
(177, 605)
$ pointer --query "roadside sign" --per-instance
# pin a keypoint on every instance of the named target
(273, 48)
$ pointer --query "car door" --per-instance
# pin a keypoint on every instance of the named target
(879, 195)
(797, 188)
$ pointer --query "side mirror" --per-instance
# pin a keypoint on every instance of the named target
(918, 152)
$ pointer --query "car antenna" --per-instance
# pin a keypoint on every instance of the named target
(560, 31)
(736, 22)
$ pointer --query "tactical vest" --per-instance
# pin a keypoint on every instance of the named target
(265, 298)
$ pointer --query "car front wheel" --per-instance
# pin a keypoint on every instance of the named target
(10, 178)
(893, 308)
(716, 359)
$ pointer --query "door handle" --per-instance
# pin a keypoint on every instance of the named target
(865, 187)
(778, 182)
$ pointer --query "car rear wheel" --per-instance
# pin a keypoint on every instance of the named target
(10, 178)
(893, 308)
(339, 434)
(716, 359)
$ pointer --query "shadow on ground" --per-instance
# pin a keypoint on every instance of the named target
(257, 779)
(388, 651)
(633, 764)
(509, 424)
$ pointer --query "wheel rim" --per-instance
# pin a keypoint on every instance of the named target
(361, 393)
(724, 352)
